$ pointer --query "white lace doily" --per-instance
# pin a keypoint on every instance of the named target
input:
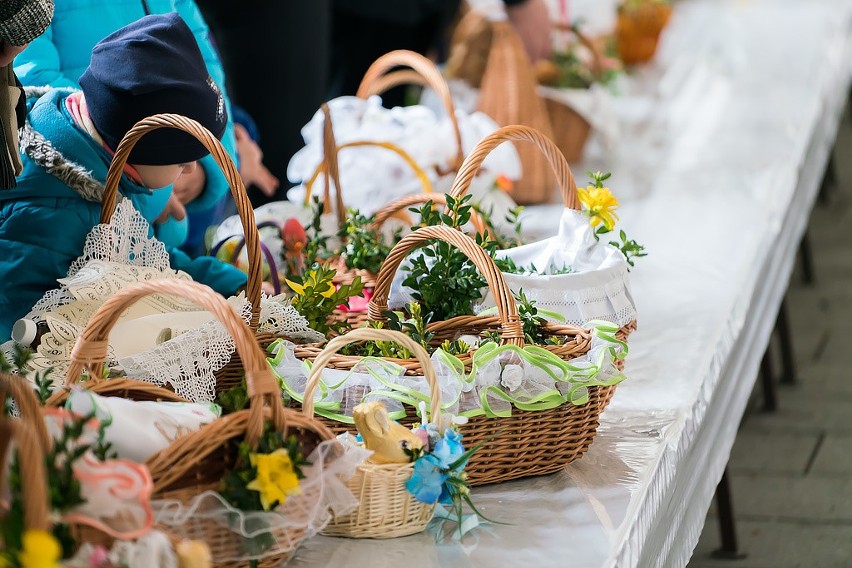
(121, 253)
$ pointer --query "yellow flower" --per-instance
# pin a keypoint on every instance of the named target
(299, 289)
(40, 550)
(600, 204)
(276, 478)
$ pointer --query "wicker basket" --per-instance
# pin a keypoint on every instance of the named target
(508, 92)
(637, 31)
(529, 442)
(558, 163)
(387, 509)
(384, 74)
(231, 374)
(196, 462)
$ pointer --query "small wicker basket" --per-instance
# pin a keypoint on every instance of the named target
(387, 509)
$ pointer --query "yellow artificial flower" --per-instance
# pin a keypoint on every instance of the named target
(276, 478)
(299, 289)
(600, 204)
(40, 550)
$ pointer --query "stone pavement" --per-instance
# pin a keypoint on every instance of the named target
(791, 471)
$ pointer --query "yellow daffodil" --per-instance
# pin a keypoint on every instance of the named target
(40, 550)
(600, 204)
(299, 289)
(276, 478)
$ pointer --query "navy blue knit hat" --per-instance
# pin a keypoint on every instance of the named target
(148, 67)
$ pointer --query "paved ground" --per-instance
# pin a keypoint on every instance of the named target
(791, 471)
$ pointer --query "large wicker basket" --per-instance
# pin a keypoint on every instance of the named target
(387, 509)
(527, 443)
(508, 91)
(328, 167)
(196, 462)
(569, 128)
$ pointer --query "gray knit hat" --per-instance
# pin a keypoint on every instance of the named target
(21, 21)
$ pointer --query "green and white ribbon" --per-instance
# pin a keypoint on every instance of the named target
(596, 369)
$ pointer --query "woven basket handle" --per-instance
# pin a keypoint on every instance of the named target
(92, 346)
(511, 331)
(373, 83)
(330, 166)
(18, 388)
(238, 189)
(31, 469)
(422, 176)
(517, 133)
(403, 203)
(370, 334)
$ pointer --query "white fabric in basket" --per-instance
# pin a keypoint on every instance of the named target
(373, 177)
(597, 287)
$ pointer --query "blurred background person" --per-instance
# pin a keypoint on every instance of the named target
(275, 55)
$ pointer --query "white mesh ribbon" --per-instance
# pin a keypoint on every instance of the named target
(501, 377)
(371, 378)
(597, 286)
(259, 534)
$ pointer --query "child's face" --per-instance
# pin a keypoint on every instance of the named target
(158, 177)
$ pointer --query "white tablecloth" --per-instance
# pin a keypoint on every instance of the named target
(725, 141)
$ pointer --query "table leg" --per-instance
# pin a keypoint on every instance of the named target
(788, 363)
(767, 377)
(829, 180)
(806, 260)
(727, 524)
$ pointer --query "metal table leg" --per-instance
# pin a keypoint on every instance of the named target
(788, 363)
(767, 377)
(727, 524)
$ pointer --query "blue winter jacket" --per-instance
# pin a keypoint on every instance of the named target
(59, 57)
(44, 221)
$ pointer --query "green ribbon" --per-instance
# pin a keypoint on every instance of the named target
(579, 375)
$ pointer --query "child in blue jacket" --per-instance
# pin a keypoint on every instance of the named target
(151, 66)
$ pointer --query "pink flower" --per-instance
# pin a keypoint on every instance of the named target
(99, 557)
